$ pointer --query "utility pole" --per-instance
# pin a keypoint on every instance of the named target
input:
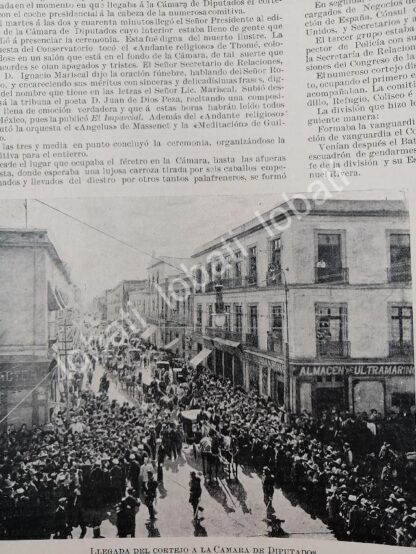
(286, 380)
(67, 372)
(65, 348)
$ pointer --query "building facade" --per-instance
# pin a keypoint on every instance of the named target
(35, 296)
(99, 308)
(169, 307)
(116, 299)
(316, 306)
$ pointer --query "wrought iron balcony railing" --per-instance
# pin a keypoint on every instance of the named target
(251, 280)
(331, 275)
(333, 349)
(401, 349)
(275, 343)
(252, 339)
(399, 273)
(217, 332)
(274, 278)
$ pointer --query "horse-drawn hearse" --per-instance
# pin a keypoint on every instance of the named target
(218, 453)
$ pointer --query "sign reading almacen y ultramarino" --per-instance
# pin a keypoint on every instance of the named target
(357, 370)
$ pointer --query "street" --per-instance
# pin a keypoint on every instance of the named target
(231, 508)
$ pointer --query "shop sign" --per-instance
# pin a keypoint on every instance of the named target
(20, 377)
(356, 370)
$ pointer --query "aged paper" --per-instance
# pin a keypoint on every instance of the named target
(206, 322)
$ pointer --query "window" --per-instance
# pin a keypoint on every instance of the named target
(331, 330)
(237, 269)
(252, 266)
(199, 314)
(227, 270)
(275, 342)
(227, 311)
(209, 315)
(198, 276)
(217, 268)
(274, 275)
(238, 318)
(252, 335)
(252, 320)
(400, 257)
(401, 343)
(209, 271)
(329, 263)
(276, 252)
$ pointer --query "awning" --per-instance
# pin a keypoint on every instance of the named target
(53, 301)
(225, 342)
(151, 330)
(200, 357)
(171, 344)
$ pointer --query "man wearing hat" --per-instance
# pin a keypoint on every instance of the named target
(62, 530)
(150, 494)
(126, 515)
(134, 473)
(117, 480)
(268, 489)
(195, 492)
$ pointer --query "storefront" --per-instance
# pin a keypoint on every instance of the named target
(227, 358)
(20, 402)
(357, 388)
(265, 375)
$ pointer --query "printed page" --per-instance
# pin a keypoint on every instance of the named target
(206, 236)
(158, 97)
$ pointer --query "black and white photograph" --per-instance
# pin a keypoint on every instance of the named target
(204, 366)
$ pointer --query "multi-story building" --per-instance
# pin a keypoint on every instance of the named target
(170, 310)
(315, 305)
(36, 295)
(117, 298)
(99, 307)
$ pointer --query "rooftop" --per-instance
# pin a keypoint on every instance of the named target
(173, 262)
(307, 207)
(22, 237)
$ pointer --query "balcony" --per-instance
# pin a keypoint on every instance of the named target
(251, 280)
(399, 273)
(178, 319)
(331, 275)
(228, 283)
(216, 332)
(275, 343)
(273, 278)
(333, 349)
(252, 339)
(234, 283)
(401, 349)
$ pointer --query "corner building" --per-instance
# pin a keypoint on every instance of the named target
(318, 306)
(36, 296)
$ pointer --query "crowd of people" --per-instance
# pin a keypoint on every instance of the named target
(338, 465)
(110, 459)
(107, 461)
